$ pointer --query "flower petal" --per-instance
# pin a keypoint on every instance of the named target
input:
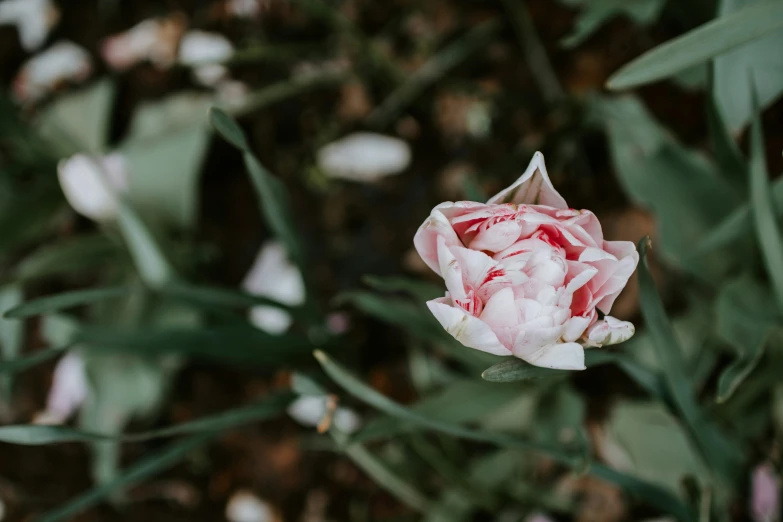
(500, 311)
(532, 188)
(426, 238)
(497, 237)
(608, 331)
(561, 356)
(468, 330)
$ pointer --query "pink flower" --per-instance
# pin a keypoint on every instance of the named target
(526, 275)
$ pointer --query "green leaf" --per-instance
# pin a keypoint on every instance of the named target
(596, 13)
(271, 193)
(701, 44)
(164, 183)
(59, 329)
(20, 364)
(237, 345)
(651, 493)
(767, 229)
(218, 297)
(65, 300)
(724, 148)
(422, 291)
(286, 89)
(369, 396)
(152, 265)
(40, 435)
(720, 452)
(11, 332)
(513, 369)
(652, 444)
(457, 403)
(79, 121)
(168, 116)
(747, 312)
(228, 128)
(79, 254)
(684, 192)
(148, 467)
(431, 71)
(738, 225)
(756, 60)
(380, 473)
(11, 337)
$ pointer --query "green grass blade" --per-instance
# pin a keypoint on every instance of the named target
(152, 265)
(432, 71)
(699, 45)
(219, 297)
(54, 303)
(21, 364)
(719, 452)
(368, 395)
(650, 493)
(738, 224)
(419, 290)
(271, 193)
(74, 255)
(382, 475)
(150, 466)
(39, 435)
(767, 229)
(237, 345)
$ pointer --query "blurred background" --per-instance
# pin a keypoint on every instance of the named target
(160, 271)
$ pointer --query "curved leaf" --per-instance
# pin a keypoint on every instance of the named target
(699, 45)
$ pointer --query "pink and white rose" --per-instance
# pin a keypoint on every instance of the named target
(527, 275)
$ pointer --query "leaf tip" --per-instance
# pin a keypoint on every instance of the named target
(321, 356)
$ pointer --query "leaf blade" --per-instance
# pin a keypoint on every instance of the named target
(699, 45)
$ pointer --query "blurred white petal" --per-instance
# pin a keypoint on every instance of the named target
(33, 20)
(232, 93)
(41, 74)
(270, 319)
(68, 391)
(274, 276)
(310, 411)
(91, 185)
(364, 156)
(154, 40)
(198, 48)
(244, 8)
(538, 517)
(243, 506)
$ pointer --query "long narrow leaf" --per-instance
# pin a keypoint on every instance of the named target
(21, 364)
(650, 493)
(271, 194)
(430, 72)
(54, 303)
(701, 44)
(39, 435)
(767, 229)
(235, 345)
(152, 265)
(150, 466)
(719, 451)
(382, 475)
